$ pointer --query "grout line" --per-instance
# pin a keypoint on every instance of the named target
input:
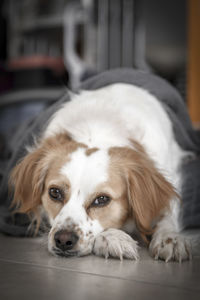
(100, 275)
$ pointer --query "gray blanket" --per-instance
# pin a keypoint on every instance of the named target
(186, 136)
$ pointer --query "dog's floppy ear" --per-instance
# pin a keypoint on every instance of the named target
(149, 193)
(27, 179)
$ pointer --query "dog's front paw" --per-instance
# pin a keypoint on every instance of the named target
(115, 243)
(170, 246)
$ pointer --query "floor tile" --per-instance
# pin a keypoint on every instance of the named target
(23, 281)
(32, 253)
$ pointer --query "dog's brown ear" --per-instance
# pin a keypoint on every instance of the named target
(28, 177)
(149, 193)
(27, 180)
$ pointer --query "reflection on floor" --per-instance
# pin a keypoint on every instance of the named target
(28, 271)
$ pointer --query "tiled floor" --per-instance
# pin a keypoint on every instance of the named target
(28, 271)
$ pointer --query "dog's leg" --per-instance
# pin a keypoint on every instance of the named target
(115, 243)
(167, 243)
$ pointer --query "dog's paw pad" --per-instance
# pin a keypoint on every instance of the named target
(170, 247)
(115, 243)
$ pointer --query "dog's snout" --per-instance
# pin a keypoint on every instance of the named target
(65, 240)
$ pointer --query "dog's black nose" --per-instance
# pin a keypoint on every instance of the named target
(65, 240)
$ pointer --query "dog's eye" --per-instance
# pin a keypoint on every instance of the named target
(101, 201)
(55, 194)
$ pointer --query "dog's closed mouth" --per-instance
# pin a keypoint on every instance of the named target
(68, 253)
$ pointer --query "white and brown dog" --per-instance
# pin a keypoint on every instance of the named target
(106, 165)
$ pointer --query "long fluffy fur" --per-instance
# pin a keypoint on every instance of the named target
(117, 138)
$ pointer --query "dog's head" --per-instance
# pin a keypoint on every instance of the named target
(85, 191)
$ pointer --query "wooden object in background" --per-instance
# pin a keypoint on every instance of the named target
(194, 60)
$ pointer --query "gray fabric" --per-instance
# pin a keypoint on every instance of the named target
(168, 95)
(17, 225)
(187, 137)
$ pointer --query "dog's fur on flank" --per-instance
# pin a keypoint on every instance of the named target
(107, 165)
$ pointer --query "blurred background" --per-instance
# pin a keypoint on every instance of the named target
(46, 45)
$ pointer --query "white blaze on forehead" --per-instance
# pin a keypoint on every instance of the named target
(86, 172)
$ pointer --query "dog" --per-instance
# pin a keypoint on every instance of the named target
(106, 166)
